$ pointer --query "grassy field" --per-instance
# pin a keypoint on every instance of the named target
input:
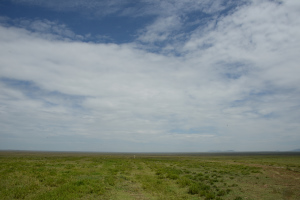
(38, 175)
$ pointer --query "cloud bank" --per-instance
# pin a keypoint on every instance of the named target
(230, 82)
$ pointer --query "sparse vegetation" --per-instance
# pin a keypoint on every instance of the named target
(29, 175)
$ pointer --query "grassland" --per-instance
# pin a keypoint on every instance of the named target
(37, 175)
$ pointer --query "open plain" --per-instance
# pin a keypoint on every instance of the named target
(234, 176)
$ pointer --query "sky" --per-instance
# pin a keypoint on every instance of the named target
(150, 75)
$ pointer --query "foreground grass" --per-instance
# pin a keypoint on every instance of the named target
(28, 175)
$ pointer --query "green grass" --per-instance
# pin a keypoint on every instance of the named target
(33, 175)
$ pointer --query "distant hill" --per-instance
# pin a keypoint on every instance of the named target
(229, 151)
(219, 151)
(296, 150)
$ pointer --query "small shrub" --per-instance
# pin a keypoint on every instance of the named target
(79, 183)
(202, 193)
(184, 182)
(161, 176)
(194, 189)
(204, 187)
(159, 173)
(221, 193)
(173, 176)
(110, 180)
(209, 195)
(228, 191)
(200, 174)
(238, 198)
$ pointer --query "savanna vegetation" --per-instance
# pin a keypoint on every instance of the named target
(37, 175)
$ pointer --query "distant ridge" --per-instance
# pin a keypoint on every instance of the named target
(219, 151)
(298, 150)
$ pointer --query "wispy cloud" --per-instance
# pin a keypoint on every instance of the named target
(44, 28)
(174, 18)
(169, 18)
(89, 8)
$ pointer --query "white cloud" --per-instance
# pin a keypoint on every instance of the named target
(235, 84)
(172, 19)
(264, 34)
(161, 29)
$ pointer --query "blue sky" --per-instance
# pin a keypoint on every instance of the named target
(149, 76)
